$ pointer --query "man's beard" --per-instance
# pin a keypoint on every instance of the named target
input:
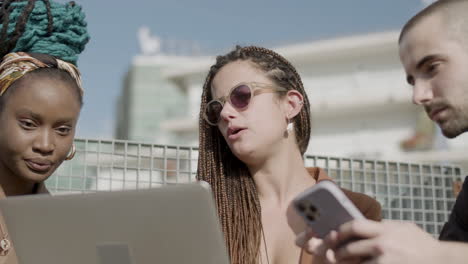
(454, 126)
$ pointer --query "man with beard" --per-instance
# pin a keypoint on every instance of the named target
(434, 53)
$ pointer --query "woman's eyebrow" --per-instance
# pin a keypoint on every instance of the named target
(28, 112)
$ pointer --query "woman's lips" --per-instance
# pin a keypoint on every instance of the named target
(234, 134)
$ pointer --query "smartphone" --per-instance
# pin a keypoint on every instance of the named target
(325, 207)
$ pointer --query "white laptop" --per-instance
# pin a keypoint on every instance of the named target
(171, 224)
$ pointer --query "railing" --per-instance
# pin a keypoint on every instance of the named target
(421, 193)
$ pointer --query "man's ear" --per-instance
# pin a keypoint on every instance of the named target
(294, 102)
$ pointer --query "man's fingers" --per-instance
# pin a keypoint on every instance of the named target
(318, 248)
(304, 237)
(331, 239)
(361, 248)
(359, 228)
(315, 246)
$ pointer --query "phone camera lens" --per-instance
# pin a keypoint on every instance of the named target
(301, 207)
(312, 208)
(310, 217)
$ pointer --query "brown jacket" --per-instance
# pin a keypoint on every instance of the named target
(368, 206)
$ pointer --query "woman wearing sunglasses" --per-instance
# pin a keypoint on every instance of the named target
(254, 129)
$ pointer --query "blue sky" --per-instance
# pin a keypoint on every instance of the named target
(216, 26)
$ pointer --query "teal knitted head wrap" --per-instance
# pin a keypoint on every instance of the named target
(67, 38)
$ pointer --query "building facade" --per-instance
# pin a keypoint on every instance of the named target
(360, 103)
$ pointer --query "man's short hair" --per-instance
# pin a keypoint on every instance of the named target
(453, 12)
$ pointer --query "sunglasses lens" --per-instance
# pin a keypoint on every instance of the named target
(213, 112)
(240, 96)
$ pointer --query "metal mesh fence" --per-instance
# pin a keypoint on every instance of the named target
(420, 193)
(107, 165)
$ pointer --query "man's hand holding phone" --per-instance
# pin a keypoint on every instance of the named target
(337, 247)
(316, 246)
(324, 208)
(380, 242)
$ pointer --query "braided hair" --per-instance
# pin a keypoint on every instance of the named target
(42, 26)
(233, 187)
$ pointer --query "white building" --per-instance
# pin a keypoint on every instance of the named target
(361, 105)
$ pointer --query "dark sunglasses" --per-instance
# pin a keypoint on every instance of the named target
(239, 97)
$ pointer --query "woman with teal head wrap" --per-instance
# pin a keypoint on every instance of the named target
(40, 96)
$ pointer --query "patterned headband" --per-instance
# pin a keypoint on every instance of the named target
(16, 64)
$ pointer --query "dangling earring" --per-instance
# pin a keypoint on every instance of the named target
(72, 153)
(289, 128)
